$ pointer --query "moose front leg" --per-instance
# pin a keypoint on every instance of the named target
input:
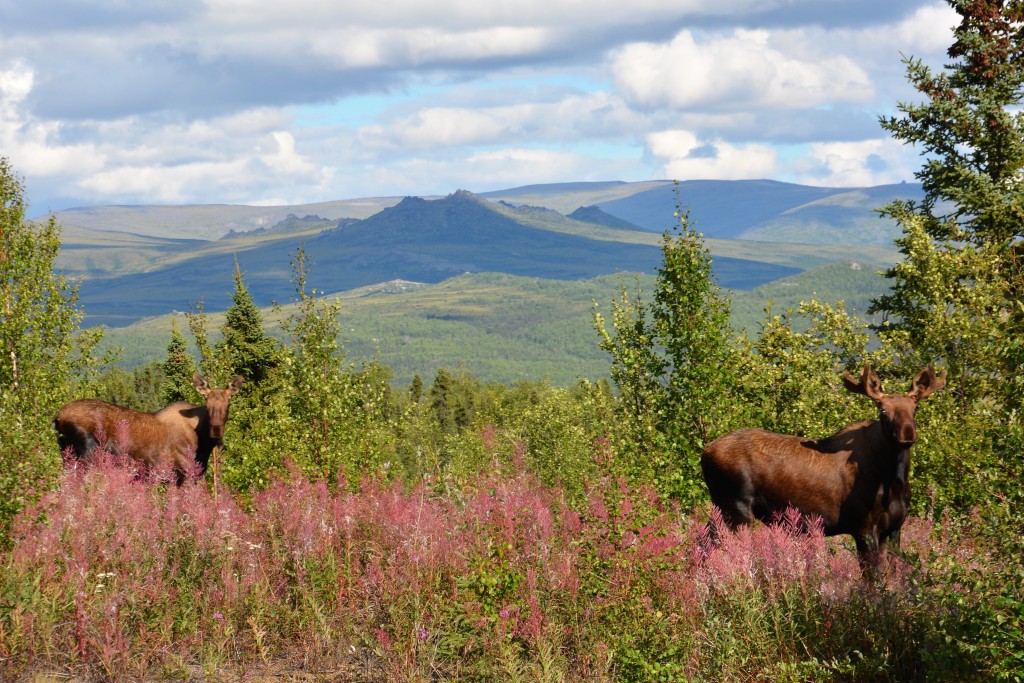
(868, 553)
(892, 540)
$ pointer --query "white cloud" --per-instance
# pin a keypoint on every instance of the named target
(744, 69)
(246, 156)
(360, 48)
(30, 144)
(485, 170)
(856, 164)
(438, 127)
(928, 30)
(569, 118)
(195, 102)
(689, 158)
(468, 14)
(15, 85)
(270, 172)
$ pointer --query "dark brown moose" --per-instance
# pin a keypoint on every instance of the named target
(171, 439)
(855, 480)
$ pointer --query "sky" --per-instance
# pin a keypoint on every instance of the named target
(270, 103)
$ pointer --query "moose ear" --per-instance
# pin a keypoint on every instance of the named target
(926, 383)
(235, 385)
(869, 384)
(200, 383)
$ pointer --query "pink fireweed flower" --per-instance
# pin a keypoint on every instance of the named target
(383, 638)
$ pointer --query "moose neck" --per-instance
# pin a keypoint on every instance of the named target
(902, 464)
(895, 460)
(206, 442)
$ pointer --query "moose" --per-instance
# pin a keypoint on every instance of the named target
(170, 439)
(855, 480)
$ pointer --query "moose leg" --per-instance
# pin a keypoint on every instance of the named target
(79, 441)
(737, 512)
(868, 552)
(892, 539)
(733, 495)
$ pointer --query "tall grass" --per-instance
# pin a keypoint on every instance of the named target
(113, 577)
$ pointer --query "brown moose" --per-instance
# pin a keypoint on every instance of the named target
(855, 480)
(170, 439)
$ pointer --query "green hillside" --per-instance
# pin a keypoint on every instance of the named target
(137, 263)
(501, 327)
(855, 283)
(505, 328)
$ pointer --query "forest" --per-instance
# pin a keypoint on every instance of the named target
(455, 529)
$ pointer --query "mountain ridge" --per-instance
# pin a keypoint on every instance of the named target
(128, 276)
(416, 239)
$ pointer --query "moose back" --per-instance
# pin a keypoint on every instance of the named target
(170, 439)
(855, 480)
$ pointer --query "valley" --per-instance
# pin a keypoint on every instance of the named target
(502, 284)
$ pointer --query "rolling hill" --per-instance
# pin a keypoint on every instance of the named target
(501, 283)
(210, 221)
(769, 211)
(505, 328)
(417, 239)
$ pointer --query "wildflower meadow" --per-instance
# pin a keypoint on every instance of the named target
(115, 577)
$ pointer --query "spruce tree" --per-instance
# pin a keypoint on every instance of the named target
(961, 243)
(416, 388)
(251, 352)
(955, 296)
(178, 369)
(441, 401)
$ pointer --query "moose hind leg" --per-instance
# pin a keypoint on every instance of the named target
(737, 511)
(733, 495)
(74, 441)
(736, 505)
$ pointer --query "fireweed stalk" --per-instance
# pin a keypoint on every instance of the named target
(112, 576)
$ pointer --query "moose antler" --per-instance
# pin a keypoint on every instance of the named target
(926, 383)
(869, 384)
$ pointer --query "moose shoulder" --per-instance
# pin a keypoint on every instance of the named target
(172, 438)
(855, 480)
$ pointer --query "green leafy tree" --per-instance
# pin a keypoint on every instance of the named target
(558, 439)
(44, 352)
(341, 416)
(141, 388)
(671, 363)
(211, 364)
(635, 370)
(792, 383)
